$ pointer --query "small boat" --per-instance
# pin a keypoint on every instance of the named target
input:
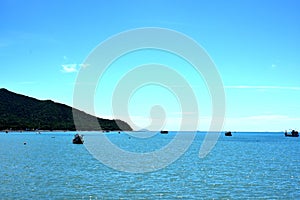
(164, 132)
(78, 139)
(293, 133)
(228, 133)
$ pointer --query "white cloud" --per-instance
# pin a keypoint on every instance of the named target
(69, 68)
(84, 65)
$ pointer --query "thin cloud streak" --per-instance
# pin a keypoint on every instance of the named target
(266, 117)
(261, 87)
(256, 122)
(84, 65)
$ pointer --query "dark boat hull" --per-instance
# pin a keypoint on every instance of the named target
(164, 132)
(228, 134)
(78, 139)
(292, 134)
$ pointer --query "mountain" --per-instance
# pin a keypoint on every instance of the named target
(19, 112)
(143, 130)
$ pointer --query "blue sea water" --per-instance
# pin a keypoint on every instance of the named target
(244, 166)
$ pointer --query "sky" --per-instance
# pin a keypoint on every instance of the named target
(255, 46)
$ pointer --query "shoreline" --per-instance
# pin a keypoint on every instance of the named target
(107, 131)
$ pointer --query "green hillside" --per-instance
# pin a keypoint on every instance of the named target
(19, 112)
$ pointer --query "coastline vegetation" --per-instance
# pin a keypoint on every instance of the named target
(19, 112)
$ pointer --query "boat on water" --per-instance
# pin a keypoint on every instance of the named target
(228, 133)
(293, 133)
(78, 139)
(164, 132)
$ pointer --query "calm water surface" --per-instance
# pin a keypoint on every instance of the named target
(244, 166)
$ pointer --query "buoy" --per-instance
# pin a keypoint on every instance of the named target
(25, 143)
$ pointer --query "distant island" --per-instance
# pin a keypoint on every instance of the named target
(19, 112)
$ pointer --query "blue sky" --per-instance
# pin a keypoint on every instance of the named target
(255, 46)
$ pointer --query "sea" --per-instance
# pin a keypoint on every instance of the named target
(248, 165)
